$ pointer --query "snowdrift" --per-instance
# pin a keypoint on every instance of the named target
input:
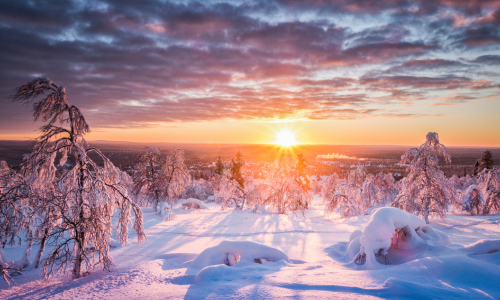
(392, 230)
(215, 262)
(193, 203)
(231, 252)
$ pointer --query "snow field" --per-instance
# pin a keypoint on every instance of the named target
(166, 265)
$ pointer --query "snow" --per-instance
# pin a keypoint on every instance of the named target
(231, 252)
(379, 235)
(191, 203)
(162, 267)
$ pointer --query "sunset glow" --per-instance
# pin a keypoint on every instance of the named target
(286, 138)
(383, 72)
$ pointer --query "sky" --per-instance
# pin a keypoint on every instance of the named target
(352, 72)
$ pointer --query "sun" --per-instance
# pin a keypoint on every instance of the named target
(285, 138)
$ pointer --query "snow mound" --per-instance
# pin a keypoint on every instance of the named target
(231, 252)
(262, 210)
(240, 271)
(393, 228)
(193, 203)
(483, 247)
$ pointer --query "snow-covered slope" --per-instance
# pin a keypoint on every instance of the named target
(316, 247)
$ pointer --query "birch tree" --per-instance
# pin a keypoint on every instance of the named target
(425, 191)
(161, 180)
(88, 193)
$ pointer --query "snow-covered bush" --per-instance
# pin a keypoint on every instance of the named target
(346, 201)
(425, 191)
(198, 189)
(388, 228)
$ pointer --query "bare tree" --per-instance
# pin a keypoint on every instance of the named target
(87, 194)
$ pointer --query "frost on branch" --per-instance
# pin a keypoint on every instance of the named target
(81, 200)
(425, 191)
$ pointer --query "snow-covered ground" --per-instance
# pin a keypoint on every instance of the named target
(315, 245)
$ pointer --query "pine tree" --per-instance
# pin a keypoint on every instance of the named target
(236, 172)
(485, 162)
(301, 175)
(219, 167)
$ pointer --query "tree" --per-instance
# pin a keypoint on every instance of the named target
(489, 186)
(386, 188)
(285, 194)
(425, 191)
(330, 186)
(161, 179)
(485, 162)
(86, 195)
(219, 166)
(472, 200)
(345, 201)
(301, 175)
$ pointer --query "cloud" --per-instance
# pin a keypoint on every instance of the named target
(136, 65)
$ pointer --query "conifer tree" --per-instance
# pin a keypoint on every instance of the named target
(485, 162)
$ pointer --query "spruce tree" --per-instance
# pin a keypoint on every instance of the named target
(485, 162)
(219, 167)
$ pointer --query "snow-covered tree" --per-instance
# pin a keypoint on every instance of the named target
(226, 190)
(86, 195)
(346, 201)
(425, 191)
(386, 188)
(472, 200)
(489, 185)
(160, 180)
(284, 193)
(330, 186)
(357, 176)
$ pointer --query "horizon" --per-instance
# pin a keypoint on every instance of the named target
(263, 144)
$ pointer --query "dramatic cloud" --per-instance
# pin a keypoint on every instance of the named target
(128, 64)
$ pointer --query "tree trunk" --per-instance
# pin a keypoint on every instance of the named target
(39, 254)
(79, 255)
(29, 244)
(3, 242)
